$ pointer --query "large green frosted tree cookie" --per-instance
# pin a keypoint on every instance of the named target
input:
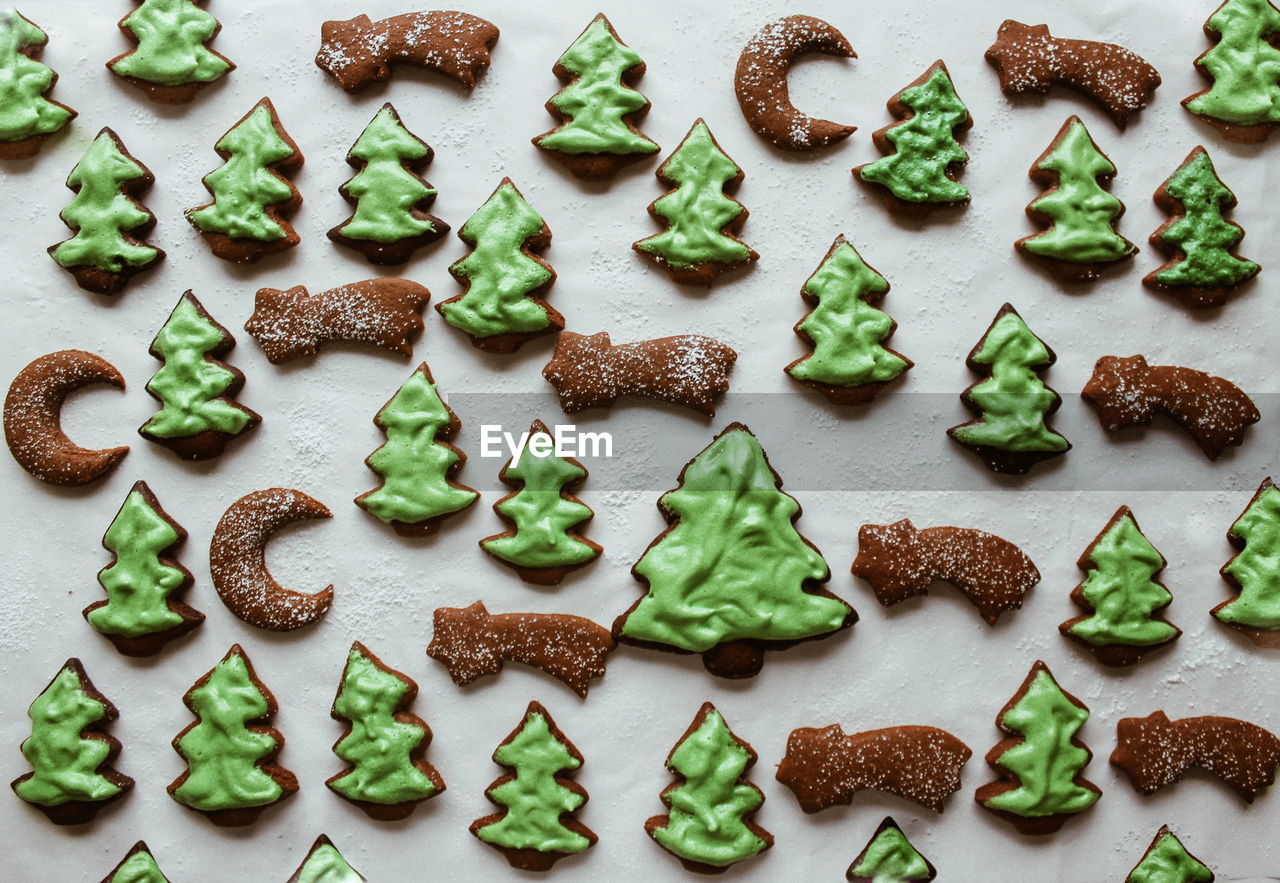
(1243, 69)
(27, 117)
(171, 61)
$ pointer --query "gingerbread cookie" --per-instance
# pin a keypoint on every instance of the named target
(1011, 433)
(901, 562)
(760, 82)
(699, 242)
(1080, 242)
(889, 857)
(324, 864)
(1204, 268)
(731, 577)
(198, 415)
(390, 221)
(1030, 59)
(137, 866)
(27, 118)
(1129, 392)
(33, 418)
(172, 61)
(1241, 100)
(1253, 570)
(472, 642)
(1123, 595)
(69, 750)
(358, 51)
(536, 827)
(107, 219)
(599, 109)
(1167, 861)
(590, 371)
(252, 191)
(232, 775)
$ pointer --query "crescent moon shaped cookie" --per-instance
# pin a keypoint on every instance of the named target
(238, 565)
(760, 82)
(33, 418)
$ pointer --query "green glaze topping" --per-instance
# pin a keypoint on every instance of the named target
(414, 466)
(499, 273)
(100, 213)
(697, 210)
(380, 743)
(1122, 590)
(1257, 568)
(139, 868)
(890, 858)
(846, 330)
(65, 764)
(597, 100)
(1201, 233)
(1013, 400)
(733, 565)
(138, 583)
(24, 111)
(385, 191)
(542, 515)
(706, 824)
(1046, 761)
(324, 864)
(171, 35)
(1080, 211)
(924, 144)
(535, 799)
(245, 186)
(221, 749)
(190, 385)
(1244, 65)
(1168, 861)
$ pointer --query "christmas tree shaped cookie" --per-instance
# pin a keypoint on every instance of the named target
(390, 221)
(417, 464)
(1255, 570)
(324, 864)
(708, 823)
(889, 857)
(543, 543)
(1203, 267)
(503, 306)
(141, 613)
(1243, 69)
(698, 243)
(536, 827)
(27, 117)
(1081, 241)
(137, 866)
(731, 577)
(384, 743)
(69, 751)
(171, 62)
(849, 363)
(231, 774)
(1123, 594)
(598, 109)
(107, 218)
(1040, 786)
(251, 191)
(1011, 433)
(1167, 861)
(923, 157)
(198, 416)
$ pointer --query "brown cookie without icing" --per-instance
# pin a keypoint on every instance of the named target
(359, 51)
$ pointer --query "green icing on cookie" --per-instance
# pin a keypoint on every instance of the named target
(139, 868)
(66, 764)
(698, 210)
(1167, 861)
(1200, 232)
(1256, 570)
(890, 858)
(385, 190)
(597, 100)
(414, 465)
(24, 111)
(324, 864)
(706, 822)
(101, 212)
(924, 143)
(845, 329)
(500, 273)
(223, 752)
(1080, 211)
(1244, 65)
(245, 186)
(732, 566)
(381, 741)
(171, 35)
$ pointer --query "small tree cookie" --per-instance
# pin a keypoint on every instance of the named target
(1243, 68)
(1167, 861)
(171, 62)
(324, 864)
(27, 117)
(889, 857)
(137, 866)
(1254, 571)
